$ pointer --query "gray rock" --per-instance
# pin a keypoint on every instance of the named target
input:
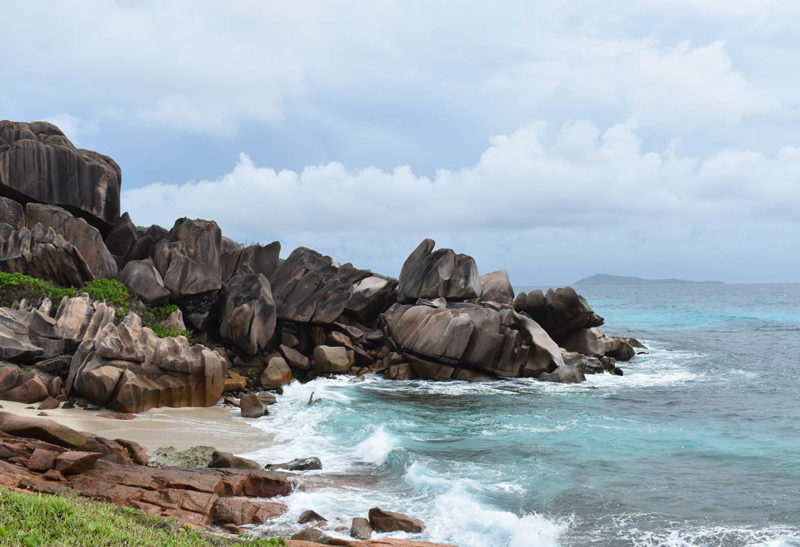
(191, 458)
(593, 341)
(294, 358)
(248, 312)
(42, 165)
(360, 528)
(330, 359)
(12, 213)
(189, 260)
(559, 312)
(263, 259)
(144, 280)
(389, 521)
(313, 535)
(122, 239)
(300, 464)
(371, 296)
(429, 274)
(310, 516)
(251, 406)
(496, 287)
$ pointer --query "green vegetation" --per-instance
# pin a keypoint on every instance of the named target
(35, 519)
(15, 286)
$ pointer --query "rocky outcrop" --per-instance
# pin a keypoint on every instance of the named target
(245, 259)
(248, 312)
(38, 163)
(189, 261)
(496, 287)
(144, 280)
(371, 296)
(595, 342)
(442, 273)
(309, 287)
(559, 312)
(43, 253)
(438, 337)
(26, 335)
(12, 213)
(77, 231)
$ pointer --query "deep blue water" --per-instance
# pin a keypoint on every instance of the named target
(698, 444)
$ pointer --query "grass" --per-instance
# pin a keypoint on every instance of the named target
(15, 286)
(36, 519)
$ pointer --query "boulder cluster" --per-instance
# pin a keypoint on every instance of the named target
(301, 317)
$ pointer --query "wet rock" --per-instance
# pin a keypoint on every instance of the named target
(313, 535)
(144, 280)
(360, 528)
(228, 460)
(248, 312)
(42, 165)
(277, 373)
(310, 516)
(401, 371)
(328, 359)
(300, 464)
(429, 274)
(388, 521)
(251, 406)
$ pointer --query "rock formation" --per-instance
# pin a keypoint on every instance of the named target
(429, 274)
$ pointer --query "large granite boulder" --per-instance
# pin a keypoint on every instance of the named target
(28, 335)
(263, 259)
(38, 163)
(146, 242)
(309, 287)
(248, 312)
(371, 296)
(41, 252)
(430, 274)
(144, 280)
(121, 239)
(12, 213)
(559, 312)
(78, 232)
(496, 287)
(189, 262)
(492, 340)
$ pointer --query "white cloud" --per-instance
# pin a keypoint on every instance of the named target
(591, 187)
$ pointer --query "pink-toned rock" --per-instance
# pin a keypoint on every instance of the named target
(389, 521)
(31, 390)
(43, 429)
(8, 378)
(42, 460)
(49, 404)
(74, 462)
(277, 373)
(241, 510)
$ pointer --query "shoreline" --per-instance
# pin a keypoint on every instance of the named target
(181, 428)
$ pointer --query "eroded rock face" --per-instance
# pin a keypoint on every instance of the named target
(41, 252)
(445, 336)
(595, 342)
(144, 280)
(430, 274)
(121, 239)
(248, 312)
(246, 259)
(496, 287)
(12, 213)
(371, 296)
(77, 231)
(189, 261)
(39, 163)
(559, 312)
(26, 335)
(309, 287)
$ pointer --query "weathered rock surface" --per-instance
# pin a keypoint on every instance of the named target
(41, 252)
(248, 312)
(251, 406)
(371, 296)
(277, 373)
(12, 213)
(559, 312)
(43, 429)
(245, 259)
(77, 231)
(189, 262)
(191, 458)
(309, 287)
(38, 163)
(496, 287)
(28, 335)
(442, 273)
(389, 521)
(228, 460)
(145, 281)
(595, 342)
(498, 342)
(121, 239)
(330, 359)
(300, 464)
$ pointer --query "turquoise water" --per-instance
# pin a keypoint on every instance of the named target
(698, 444)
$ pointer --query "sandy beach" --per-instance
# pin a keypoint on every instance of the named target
(182, 428)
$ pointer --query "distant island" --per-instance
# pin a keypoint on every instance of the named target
(607, 279)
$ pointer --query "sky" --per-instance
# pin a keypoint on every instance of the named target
(656, 138)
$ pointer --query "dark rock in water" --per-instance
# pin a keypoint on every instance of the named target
(144, 280)
(559, 312)
(77, 231)
(310, 516)
(251, 406)
(313, 535)
(26, 336)
(38, 163)
(301, 464)
(565, 374)
(228, 460)
(245, 259)
(595, 342)
(389, 521)
(248, 312)
(497, 342)
(496, 287)
(360, 528)
(41, 252)
(12, 213)
(189, 260)
(400, 371)
(307, 287)
(429, 274)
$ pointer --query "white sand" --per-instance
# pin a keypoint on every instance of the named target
(179, 427)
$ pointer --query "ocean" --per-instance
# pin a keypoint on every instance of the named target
(697, 444)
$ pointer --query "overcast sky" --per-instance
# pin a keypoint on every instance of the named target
(657, 138)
